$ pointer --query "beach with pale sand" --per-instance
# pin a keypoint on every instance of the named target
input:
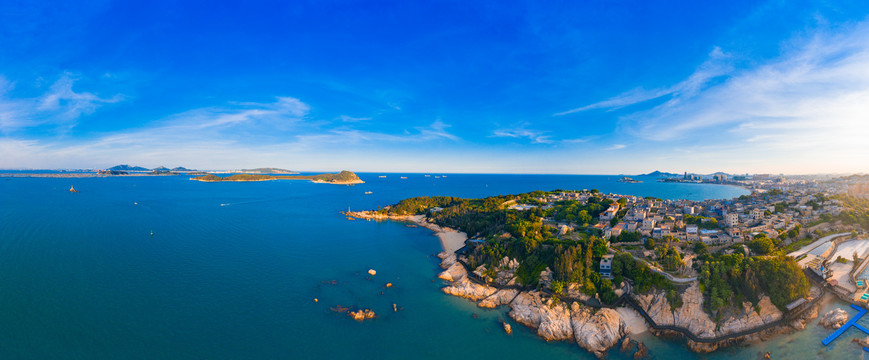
(633, 321)
(451, 239)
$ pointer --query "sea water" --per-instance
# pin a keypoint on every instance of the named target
(233, 269)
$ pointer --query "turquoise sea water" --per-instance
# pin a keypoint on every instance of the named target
(232, 270)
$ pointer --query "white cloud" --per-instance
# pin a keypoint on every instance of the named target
(616, 147)
(60, 105)
(714, 67)
(272, 132)
(804, 111)
(536, 137)
(346, 118)
(437, 129)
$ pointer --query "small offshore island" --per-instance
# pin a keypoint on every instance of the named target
(593, 268)
(343, 178)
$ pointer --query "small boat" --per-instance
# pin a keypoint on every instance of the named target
(427, 175)
(152, 232)
(135, 203)
(351, 218)
(382, 176)
(72, 189)
(404, 177)
(368, 192)
(437, 177)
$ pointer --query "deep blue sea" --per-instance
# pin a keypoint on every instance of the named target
(232, 271)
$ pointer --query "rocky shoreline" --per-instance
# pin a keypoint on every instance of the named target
(692, 317)
(598, 330)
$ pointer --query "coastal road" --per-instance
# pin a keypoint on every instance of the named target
(662, 272)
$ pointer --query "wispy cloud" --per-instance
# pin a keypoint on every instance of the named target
(715, 66)
(275, 132)
(60, 105)
(280, 113)
(437, 129)
(616, 147)
(346, 118)
(805, 110)
(535, 136)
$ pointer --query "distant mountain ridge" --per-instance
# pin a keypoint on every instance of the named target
(660, 174)
(667, 174)
(127, 168)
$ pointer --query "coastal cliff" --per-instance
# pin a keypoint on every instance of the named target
(593, 330)
(692, 317)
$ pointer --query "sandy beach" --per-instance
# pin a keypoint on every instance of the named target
(451, 239)
(633, 320)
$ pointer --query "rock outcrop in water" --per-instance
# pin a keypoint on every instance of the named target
(834, 319)
(362, 314)
(595, 331)
(453, 273)
(501, 297)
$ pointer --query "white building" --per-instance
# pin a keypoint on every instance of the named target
(731, 219)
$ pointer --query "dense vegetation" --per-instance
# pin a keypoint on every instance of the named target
(702, 222)
(857, 211)
(732, 279)
(523, 235)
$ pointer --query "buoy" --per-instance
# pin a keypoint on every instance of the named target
(315, 300)
(372, 272)
(394, 308)
(388, 285)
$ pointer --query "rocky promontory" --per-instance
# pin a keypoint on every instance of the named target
(593, 330)
(691, 316)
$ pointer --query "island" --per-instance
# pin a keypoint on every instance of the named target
(629, 180)
(593, 268)
(269, 171)
(342, 178)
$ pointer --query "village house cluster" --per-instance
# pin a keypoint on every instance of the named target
(778, 205)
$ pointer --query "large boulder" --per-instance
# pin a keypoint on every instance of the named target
(834, 319)
(469, 289)
(502, 297)
(596, 331)
(749, 318)
(447, 259)
(454, 273)
(551, 320)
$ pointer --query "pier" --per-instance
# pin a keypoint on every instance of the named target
(851, 323)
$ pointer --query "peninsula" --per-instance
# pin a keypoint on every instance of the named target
(343, 178)
(593, 268)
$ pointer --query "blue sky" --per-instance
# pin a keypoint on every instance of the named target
(484, 87)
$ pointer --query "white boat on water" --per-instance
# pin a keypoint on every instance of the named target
(368, 192)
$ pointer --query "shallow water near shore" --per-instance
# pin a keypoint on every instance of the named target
(232, 271)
